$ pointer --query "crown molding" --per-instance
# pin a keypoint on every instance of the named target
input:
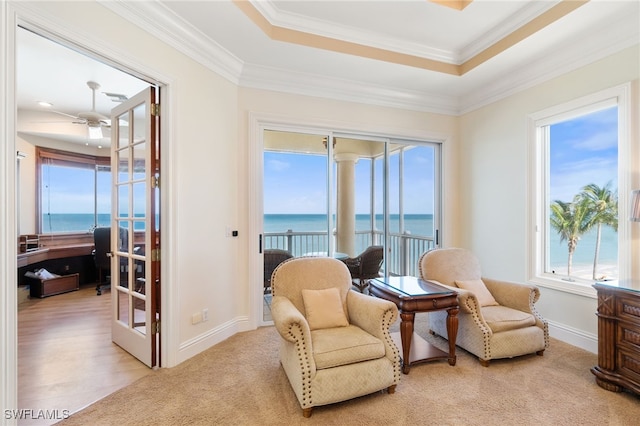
(161, 22)
(276, 79)
(165, 25)
(305, 24)
(504, 29)
(599, 43)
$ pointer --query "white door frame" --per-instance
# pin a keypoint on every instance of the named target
(258, 123)
(13, 14)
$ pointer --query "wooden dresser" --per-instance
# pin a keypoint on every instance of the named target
(618, 336)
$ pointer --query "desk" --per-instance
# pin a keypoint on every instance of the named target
(54, 252)
(61, 260)
(411, 295)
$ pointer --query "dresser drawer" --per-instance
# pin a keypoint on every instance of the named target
(629, 309)
(628, 335)
(629, 364)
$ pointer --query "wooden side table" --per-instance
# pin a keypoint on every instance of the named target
(411, 295)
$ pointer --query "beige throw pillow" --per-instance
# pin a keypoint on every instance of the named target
(324, 308)
(478, 288)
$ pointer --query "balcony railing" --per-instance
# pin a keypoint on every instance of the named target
(402, 257)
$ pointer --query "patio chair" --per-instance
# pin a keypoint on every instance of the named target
(365, 266)
(272, 258)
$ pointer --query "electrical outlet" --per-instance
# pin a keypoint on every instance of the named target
(196, 318)
(205, 314)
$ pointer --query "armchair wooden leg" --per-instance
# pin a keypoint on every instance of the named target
(540, 353)
(391, 389)
(306, 412)
(484, 362)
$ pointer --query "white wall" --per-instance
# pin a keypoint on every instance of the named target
(494, 163)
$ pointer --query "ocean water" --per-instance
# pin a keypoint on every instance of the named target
(76, 222)
(422, 225)
(416, 224)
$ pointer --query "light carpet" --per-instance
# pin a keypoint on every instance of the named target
(240, 382)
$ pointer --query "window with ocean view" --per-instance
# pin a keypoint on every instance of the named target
(74, 191)
(578, 153)
(583, 196)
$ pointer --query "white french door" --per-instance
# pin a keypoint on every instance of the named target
(135, 236)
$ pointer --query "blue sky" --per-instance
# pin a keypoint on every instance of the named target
(296, 183)
(584, 150)
(72, 191)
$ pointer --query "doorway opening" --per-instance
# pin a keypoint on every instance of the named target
(56, 73)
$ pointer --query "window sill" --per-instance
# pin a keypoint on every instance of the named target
(581, 288)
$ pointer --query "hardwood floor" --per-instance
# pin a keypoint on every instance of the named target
(66, 359)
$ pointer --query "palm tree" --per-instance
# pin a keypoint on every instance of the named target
(603, 204)
(571, 220)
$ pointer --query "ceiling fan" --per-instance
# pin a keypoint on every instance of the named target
(92, 119)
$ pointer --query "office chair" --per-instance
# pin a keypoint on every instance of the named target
(102, 254)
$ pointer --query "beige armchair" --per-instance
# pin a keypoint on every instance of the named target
(497, 319)
(335, 341)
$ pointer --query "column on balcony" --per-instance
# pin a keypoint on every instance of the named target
(346, 200)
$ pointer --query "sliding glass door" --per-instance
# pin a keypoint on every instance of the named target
(338, 194)
(414, 204)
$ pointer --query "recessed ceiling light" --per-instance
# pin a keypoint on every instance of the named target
(45, 104)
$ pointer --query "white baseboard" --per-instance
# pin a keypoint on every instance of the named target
(211, 337)
(573, 336)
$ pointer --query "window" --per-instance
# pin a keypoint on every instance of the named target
(74, 191)
(579, 228)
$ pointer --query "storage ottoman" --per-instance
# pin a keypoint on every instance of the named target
(49, 287)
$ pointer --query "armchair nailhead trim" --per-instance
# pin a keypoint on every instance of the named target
(485, 332)
(386, 324)
(305, 367)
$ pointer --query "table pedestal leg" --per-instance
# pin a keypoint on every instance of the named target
(452, 333)
(406, 333)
